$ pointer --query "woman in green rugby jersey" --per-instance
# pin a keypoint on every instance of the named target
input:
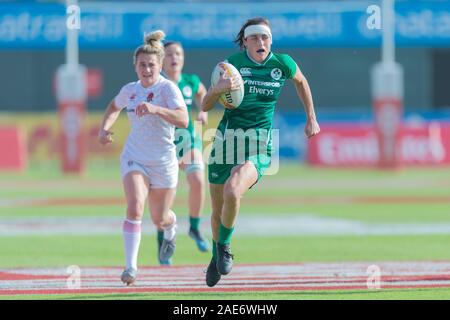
(189, 145)
(264, 73)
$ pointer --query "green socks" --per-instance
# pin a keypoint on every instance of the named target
(225, 234)
(224, 238)
(160, 234)
(214, 250)
(194, 222)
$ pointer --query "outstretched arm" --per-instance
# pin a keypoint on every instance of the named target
(178, 117)
(304, 93)
(109, 118)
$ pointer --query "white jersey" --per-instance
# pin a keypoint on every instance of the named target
(151, 138)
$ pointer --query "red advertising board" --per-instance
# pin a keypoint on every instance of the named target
(425, 145)
(348, 145)
(12, 149)
(94, 82)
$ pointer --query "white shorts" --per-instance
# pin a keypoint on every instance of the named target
(160, 176)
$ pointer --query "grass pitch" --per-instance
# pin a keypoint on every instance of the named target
(409, 196)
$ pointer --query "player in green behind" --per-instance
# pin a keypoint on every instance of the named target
(233, 172)
(189, 144)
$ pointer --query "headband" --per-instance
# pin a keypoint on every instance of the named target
(257, 29)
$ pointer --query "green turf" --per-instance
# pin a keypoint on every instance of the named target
(320, 192)
(373, 213)
(295, 189)
(62, 251)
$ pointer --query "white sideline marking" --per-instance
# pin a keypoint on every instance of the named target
(257, 225)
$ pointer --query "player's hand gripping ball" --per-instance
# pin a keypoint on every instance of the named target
(233, 98)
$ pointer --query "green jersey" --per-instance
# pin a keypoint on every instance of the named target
(189, 85)
(262, 85)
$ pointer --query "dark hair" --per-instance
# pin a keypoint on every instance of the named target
(169, 43)
(152, 45)
(240, 36)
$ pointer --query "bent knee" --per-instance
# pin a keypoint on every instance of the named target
(135, 209)
(231, 193)
(157, 221)
(196, 181)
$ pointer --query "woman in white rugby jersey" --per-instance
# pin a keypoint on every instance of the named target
(148, 163)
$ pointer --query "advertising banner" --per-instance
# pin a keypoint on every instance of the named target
(349, 145)
(121, 25)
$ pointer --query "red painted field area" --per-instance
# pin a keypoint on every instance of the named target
(261, 277)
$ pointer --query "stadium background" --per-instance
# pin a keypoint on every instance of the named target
(335, 50)
(332, 44)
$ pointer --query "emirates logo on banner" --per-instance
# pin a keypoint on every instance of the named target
(150, 97)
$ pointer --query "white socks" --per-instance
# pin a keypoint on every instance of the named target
(170, 231)
(132, 239)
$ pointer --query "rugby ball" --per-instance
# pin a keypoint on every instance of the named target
(230, 99)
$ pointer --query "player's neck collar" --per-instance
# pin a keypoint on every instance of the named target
(256, 62)
(156, 82)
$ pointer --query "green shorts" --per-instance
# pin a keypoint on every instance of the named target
(232, 147)
(219, 173)
(186, 143)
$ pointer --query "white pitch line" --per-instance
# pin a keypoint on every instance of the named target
(253, 225)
